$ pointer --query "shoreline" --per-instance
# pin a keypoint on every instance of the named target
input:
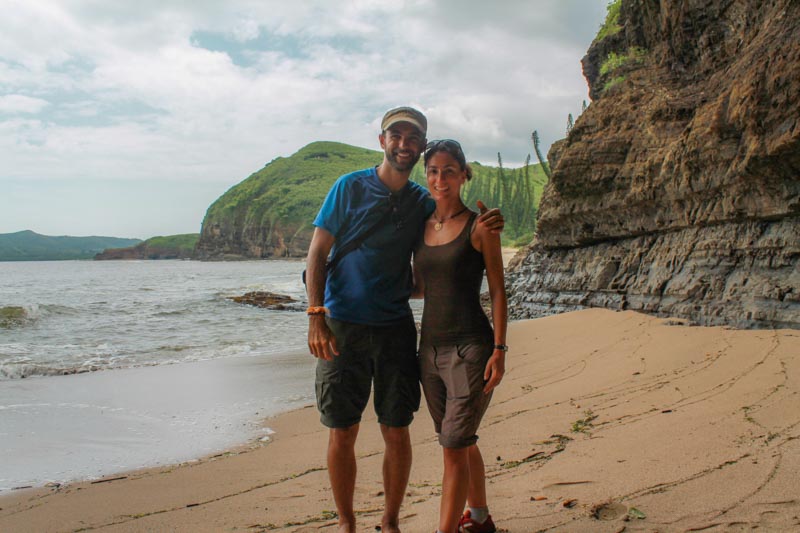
(79, 428)
(602, 415)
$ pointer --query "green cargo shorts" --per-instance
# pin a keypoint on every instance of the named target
(383, 356)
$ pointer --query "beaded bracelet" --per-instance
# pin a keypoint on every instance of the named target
(316, 310)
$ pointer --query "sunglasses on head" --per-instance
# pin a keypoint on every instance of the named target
(443, 143)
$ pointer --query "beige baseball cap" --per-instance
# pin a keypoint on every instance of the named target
(405, 114)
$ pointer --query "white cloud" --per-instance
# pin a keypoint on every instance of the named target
(19, 103)
(246, 30)
(125, 90)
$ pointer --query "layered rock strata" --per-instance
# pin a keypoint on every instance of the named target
(232, 239)
(678, 190)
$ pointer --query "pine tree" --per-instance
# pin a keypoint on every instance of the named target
(500, 183)
(542, 161)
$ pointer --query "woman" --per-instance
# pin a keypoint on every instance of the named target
(462, 358)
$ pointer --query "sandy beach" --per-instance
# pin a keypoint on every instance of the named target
(606, 421)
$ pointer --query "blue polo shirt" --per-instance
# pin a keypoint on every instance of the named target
(371, 285)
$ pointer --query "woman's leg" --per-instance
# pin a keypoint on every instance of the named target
(455, 483)
(476, 497)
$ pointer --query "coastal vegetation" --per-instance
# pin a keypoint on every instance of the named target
(516, 191)
(613, 82)
(611, 25)
(160, 247)
(31, 246)
(184, 242)
(615, 63)
(542, 160)
(291, 189)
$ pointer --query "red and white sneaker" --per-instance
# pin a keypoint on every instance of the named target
(468, 525)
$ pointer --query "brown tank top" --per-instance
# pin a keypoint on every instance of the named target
(452, 274)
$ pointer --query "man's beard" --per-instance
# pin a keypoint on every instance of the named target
(403, 167)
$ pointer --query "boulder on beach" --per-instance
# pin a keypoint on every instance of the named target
(269, 300)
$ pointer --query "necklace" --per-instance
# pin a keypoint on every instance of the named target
(440, 221)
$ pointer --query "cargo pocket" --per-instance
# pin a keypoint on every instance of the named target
(327, 378)
(474, 354)
(457, 372)
(474, 358)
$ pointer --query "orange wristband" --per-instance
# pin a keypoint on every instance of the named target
(316, 310)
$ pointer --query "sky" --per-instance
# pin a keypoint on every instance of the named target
(129, 119)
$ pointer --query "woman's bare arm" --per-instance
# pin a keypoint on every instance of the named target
(493, 259)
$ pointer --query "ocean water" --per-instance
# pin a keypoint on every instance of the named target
(79, 316)
(113, 365)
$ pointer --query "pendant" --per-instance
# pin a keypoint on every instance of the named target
(437, 226)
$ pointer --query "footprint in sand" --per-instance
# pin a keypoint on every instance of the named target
(609, 511)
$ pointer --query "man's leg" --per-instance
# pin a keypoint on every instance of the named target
(397, 396)
(343, 388)
(396, 471)
(342, 473)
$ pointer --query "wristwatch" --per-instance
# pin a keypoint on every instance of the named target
(503, 347)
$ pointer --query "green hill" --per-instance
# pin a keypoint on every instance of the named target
(269, 214)
(288, 188)
(183, 243)
(169, 247)
(30, 246)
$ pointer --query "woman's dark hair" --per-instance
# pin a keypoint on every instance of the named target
(451, 147)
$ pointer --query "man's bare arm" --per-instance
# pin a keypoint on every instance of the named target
(321, 341)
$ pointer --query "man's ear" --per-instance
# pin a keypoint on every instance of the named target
(382, 140)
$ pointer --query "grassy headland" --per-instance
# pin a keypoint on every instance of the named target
(161, 247)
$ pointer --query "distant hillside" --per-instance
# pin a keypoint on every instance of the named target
(169, 247)
(30, 246)
(269, 214)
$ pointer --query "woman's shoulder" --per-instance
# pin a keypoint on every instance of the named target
(475, 228)
(482, 237)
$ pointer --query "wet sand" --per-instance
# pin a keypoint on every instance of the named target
(85, 426)
(606, 421)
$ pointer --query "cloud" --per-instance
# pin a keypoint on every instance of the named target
(19, 103)
(209, 91)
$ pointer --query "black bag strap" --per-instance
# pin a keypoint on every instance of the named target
(357, 240)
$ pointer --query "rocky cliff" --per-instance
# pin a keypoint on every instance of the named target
(678, 190)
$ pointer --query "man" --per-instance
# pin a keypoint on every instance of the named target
(361, 328)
